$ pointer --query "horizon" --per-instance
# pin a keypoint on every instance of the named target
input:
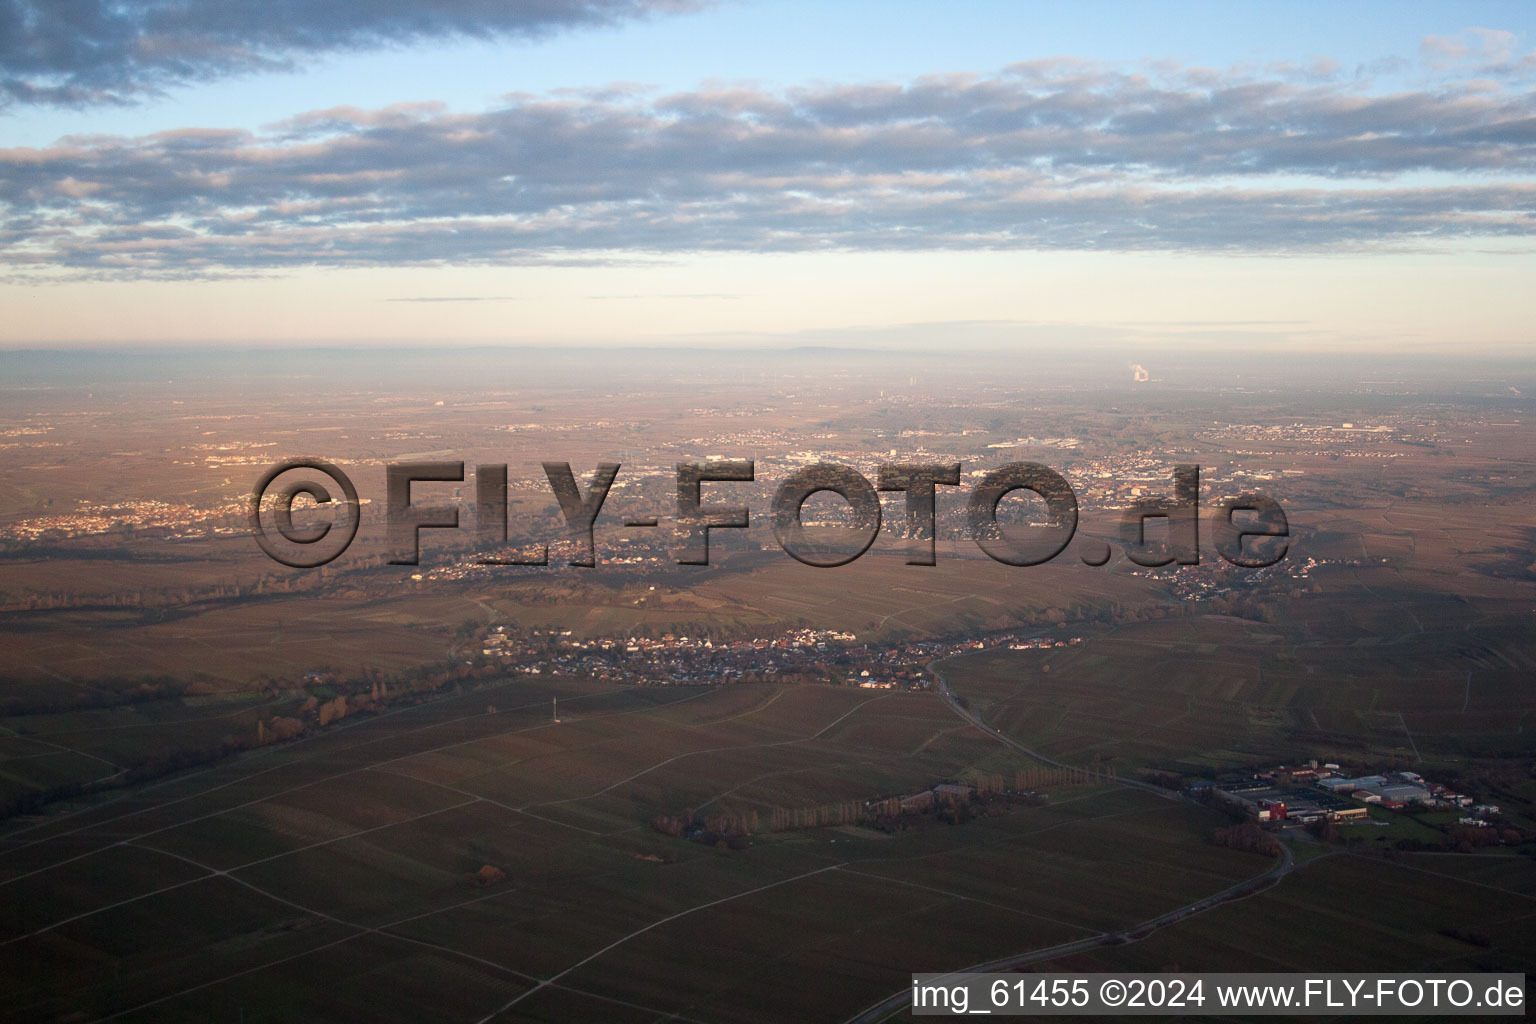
(745, 512)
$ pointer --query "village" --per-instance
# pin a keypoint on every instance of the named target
(678, 659)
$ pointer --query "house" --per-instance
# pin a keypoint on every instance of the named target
(1271, 810)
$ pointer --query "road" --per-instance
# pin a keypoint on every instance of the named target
(975, 719)
(902, 1000)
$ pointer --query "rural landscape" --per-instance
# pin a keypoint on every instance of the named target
(755, 789)
(754, 512)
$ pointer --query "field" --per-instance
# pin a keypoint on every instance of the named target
(232, 790)
(1212, 691)
(287, 882)
(387, 622)
(1426, 911)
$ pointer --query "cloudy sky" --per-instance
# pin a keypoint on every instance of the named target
(619, 171)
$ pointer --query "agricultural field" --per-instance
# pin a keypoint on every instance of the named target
(1348, 679)
(1446, 913)
(234, 790)
(494, 863)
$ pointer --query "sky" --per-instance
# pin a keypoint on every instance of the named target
(1352, 178)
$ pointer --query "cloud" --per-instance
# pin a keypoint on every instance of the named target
(1485, 51)
(1481, 44)
(85, 52)
(1058, 154)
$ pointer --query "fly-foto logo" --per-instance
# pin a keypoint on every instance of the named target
(274, 496)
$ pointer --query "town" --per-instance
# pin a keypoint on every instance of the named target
(818, 655)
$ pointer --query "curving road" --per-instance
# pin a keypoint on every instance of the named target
(1248, 887)
(1242, 890)
(975, 719)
